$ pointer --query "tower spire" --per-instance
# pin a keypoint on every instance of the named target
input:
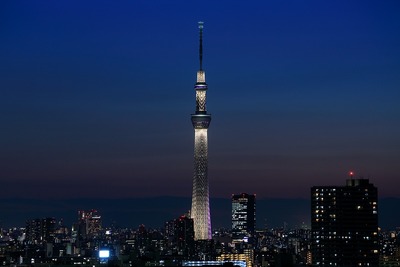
(200, 211)
(201, 25)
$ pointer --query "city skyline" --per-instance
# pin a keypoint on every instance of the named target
(302, 94)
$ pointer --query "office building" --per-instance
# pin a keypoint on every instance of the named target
(39, 231)
(90, 225)
(243, 215)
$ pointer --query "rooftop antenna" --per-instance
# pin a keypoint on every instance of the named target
(201, 25)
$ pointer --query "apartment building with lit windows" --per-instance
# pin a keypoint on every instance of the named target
(344, 224)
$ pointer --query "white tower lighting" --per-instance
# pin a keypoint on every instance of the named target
(200, 212)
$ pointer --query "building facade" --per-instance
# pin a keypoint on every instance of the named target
(180, 234)
(90, 224)
(247, 256)
(344, 224)
(243, 215)
(39, 231)
(200, 212)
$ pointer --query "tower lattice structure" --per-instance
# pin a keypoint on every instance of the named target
(200, 211)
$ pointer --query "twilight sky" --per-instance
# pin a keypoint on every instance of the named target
(96, 96)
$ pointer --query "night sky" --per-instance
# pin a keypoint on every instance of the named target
(96, 96)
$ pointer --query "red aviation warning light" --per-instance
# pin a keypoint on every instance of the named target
(351, 173)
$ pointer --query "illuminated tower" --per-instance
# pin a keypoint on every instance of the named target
(200, 212)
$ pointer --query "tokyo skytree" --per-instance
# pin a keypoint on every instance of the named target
(200, 212)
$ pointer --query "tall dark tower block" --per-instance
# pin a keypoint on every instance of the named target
(344, 224)
(243, 215)
(200, 212)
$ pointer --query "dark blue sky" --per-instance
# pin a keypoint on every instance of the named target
(96, 96)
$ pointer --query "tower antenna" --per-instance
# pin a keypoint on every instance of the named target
(200, 212)
(201, 25)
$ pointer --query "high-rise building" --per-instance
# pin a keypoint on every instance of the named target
(89, 222)
(200, 212)
(180, 234)
(40, 231)
(243, 215)
(344, 224)
(185, 235)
